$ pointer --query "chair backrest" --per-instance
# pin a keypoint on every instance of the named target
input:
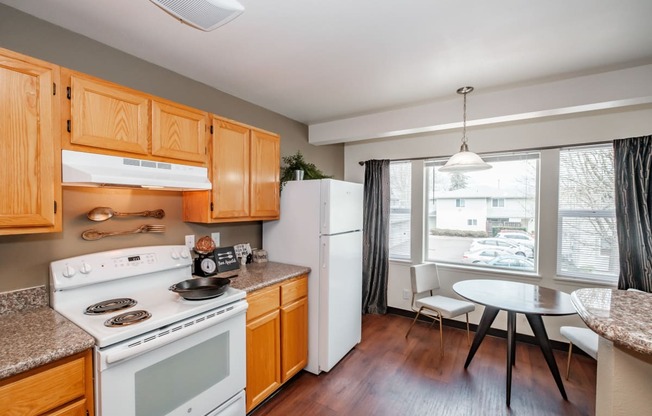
(424, 277)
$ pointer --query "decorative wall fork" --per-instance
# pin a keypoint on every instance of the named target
(92, 234)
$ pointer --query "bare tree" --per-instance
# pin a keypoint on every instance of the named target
(458, 181)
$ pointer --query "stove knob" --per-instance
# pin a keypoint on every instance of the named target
(175, 255)
(85, 268)
(68, 271)
(185, 254)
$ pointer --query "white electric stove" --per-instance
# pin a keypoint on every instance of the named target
(148, 337)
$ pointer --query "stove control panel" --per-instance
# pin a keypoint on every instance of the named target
(117, 264)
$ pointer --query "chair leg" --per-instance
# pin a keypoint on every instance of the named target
(468, 336)
(570, 355)
(414, 321)
(441, 336)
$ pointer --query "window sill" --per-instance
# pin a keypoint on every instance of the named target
(583, 281)
(489, 272)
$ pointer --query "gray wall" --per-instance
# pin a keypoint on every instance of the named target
(24, 259)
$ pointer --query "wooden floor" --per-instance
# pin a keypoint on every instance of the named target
(389, 375)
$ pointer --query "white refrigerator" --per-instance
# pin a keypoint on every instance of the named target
(321, 228)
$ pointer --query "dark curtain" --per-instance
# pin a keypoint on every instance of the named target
(633, 176)
(375, 238)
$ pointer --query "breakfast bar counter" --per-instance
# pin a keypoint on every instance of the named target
(621, 316)
(623, 319)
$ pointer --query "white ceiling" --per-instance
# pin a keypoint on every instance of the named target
(316, 61)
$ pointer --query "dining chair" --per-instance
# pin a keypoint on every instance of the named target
(583, 338)
(424, 280)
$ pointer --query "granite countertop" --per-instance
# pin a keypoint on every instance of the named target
(259, 275)
(623, 317)
(33, 334)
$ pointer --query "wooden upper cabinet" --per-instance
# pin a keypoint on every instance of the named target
(230, 170)
(107, 116)
(29, 145)
(265, 174)
(178, 132)
(244, 170)
(111, 119)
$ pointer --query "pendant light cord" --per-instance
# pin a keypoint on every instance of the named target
(464, 91)
(464, 139)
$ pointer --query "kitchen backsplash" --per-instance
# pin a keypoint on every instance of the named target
(25, 259)
(23, 299)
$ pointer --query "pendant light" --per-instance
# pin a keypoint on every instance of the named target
(465, 160)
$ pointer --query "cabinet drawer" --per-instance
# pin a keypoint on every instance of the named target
(77, 408)
(44, 390)
(293, 290)
(262, 301)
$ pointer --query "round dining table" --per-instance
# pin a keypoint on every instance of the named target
(533, 301)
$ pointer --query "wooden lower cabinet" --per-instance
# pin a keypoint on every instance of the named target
(277, 337)
(61, 388)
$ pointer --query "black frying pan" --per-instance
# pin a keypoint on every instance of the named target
(201, 287)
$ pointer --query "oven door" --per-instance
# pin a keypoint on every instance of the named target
(189, 374)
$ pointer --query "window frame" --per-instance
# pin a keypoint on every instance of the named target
(577, 276)
(434, 163)
(546, 239)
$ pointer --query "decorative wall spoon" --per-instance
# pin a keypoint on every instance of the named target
(104, 213)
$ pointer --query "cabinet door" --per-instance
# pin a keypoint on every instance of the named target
(29, 146)
(230, 170)
(263, 358)
(294, 338)
(47, 388)
(178, 132)
(265, 174)
(108, 116)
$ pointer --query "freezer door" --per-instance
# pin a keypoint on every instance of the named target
(341, 209)
(340, 306)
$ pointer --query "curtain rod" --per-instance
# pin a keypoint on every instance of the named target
(531, 149)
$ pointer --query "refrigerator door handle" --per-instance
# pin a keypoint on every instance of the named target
(323, 257)
(324, 216)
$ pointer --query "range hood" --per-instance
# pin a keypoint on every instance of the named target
(91, 169)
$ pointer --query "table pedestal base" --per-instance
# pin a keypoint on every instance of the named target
(539, 330)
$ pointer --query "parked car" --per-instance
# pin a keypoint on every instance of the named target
(520, 237)
(502, 244)
(512, 262)
(483, 255)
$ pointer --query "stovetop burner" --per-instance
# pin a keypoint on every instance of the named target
(128, 318)
(111, 305)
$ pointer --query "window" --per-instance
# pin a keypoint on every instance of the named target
(400, 182)
(499, 200)
(587, 245)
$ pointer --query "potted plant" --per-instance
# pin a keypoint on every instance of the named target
(295, 167)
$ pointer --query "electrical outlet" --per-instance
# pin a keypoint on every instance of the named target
(190, 242)
(406, 294)
(216, 238)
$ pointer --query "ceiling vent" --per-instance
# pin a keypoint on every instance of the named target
(202, 14)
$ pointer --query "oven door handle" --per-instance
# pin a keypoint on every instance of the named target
(173, 333)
